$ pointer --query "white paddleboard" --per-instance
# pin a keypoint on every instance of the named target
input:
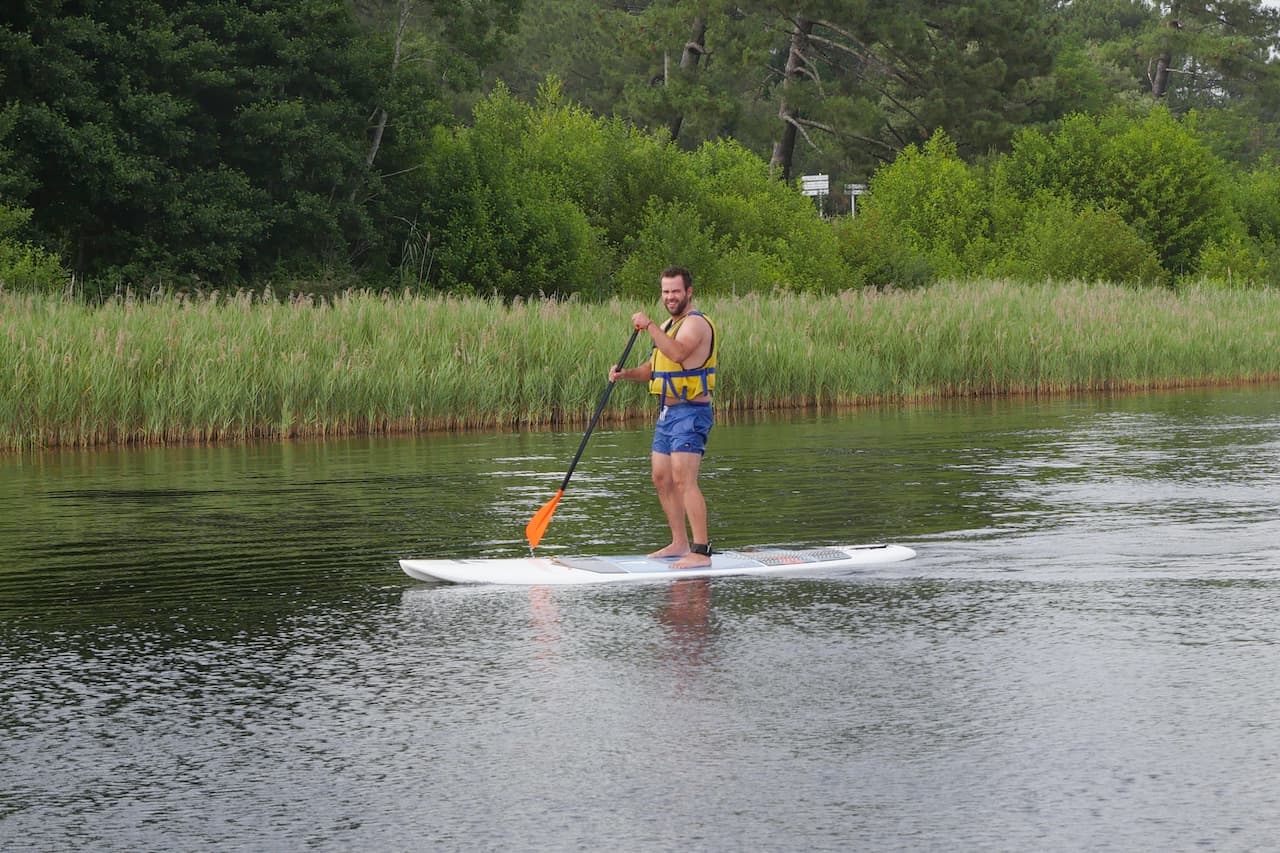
(527, 571)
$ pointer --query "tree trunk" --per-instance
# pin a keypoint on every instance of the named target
(406, 7)
(693, 50)
(1160, 79)
(785, 147)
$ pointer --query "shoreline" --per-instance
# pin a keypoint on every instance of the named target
(629, 417)
(218, 370)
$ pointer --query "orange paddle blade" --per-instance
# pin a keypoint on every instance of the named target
(538, 524)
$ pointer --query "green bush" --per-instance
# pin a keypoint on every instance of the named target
(1235, 133)
(670, 233)
(1250, 254)
(741, 271)
(1058, 164)
(1055, 241)
(492, 224)
(26, 268)
(937, 203)
(757, 217)
(1238, 261)
(1255, 196)
(1149, 169)
(1169, 186)
(876, 254)
(607, 167)
(548, 199)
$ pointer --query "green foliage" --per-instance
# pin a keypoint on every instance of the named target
(1121, 198)
(1111, 33)
(762, 221)
(938, 204)
(28, 268)
(1236, 133)
(877, 75)
(1220, 55)
(1255, 197)
(1238, 261)
(606, 166)
(1167, 184)
(1056, 241)
(668, 231)
(498, 225)
(1087, 79)
(876, 253)
(977, 70)
(1151, 170)
(547, 199)
(23, 266)
(1218, 51)
(212, 143)
(1249, 255)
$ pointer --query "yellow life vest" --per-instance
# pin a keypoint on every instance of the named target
(670, 379)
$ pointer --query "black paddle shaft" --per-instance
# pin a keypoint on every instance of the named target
(599, 408)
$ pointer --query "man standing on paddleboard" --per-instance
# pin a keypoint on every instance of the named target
(681, 372)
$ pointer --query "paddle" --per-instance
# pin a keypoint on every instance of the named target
(538, 524)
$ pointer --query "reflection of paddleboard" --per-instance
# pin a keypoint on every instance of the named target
(574, 570)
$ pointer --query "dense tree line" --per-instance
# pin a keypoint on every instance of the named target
(224, 141)
(573, 146)
(824, 85)
(1122, 198)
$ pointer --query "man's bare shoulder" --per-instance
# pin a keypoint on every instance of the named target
(695, 326)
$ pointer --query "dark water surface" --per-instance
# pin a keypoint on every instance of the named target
(213, 648)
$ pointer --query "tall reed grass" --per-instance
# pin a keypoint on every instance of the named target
(244, 366)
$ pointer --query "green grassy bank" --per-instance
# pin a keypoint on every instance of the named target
(175, 369)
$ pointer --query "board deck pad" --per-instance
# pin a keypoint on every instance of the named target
(722, 560)
(604, 569)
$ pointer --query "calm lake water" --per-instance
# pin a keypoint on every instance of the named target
(213, 648)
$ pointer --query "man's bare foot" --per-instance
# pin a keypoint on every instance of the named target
(671, 551)
(692, 561)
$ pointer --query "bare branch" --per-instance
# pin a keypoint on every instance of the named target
(802, 125)
(863, 56)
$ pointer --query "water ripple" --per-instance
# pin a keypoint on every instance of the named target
(214, 647)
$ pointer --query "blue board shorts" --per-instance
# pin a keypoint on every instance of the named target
(682, 429)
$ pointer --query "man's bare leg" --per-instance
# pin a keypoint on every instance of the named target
(672, 506)
(684, 474)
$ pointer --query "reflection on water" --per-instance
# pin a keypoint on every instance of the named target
(213, 647)
(687, 619)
